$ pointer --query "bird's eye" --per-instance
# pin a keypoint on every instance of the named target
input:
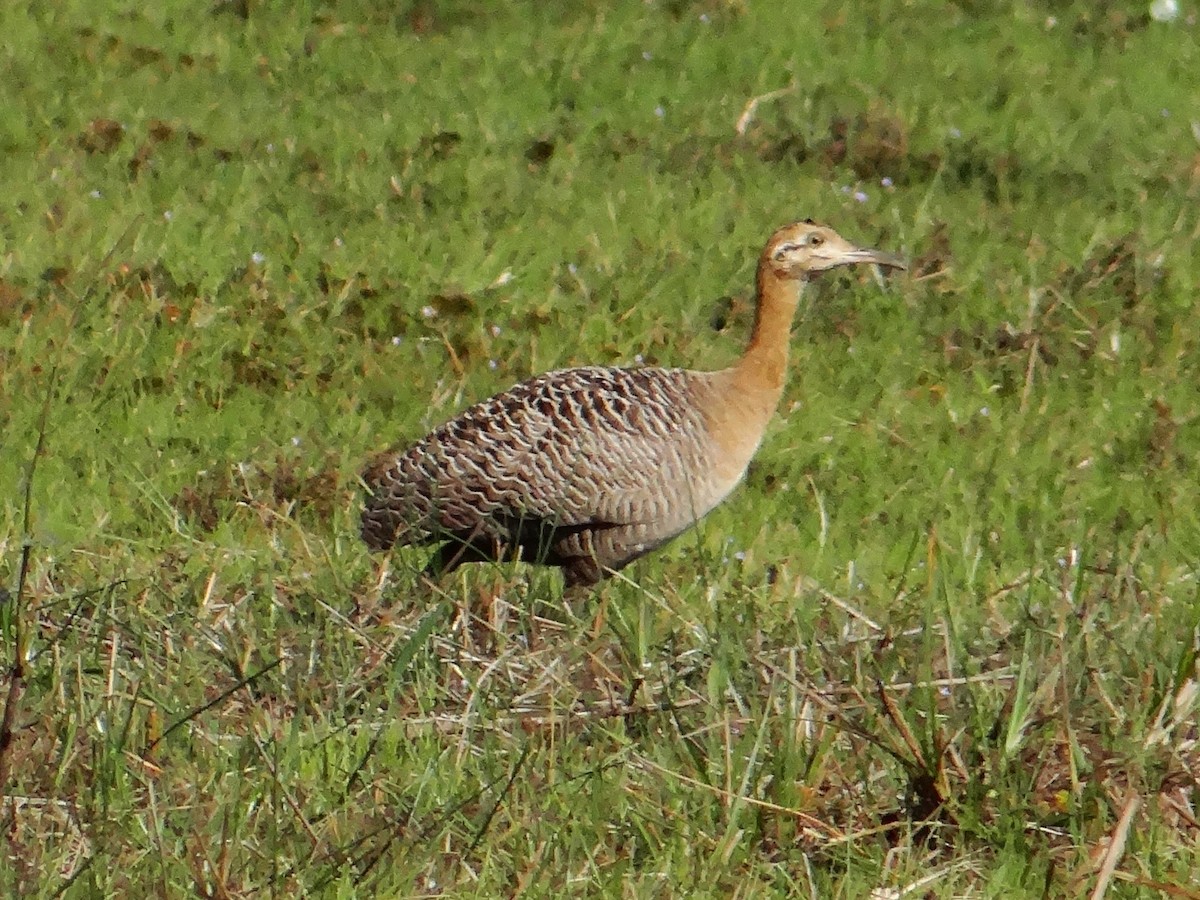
(815, 240)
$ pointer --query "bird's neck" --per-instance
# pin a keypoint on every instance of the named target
(744, 396)
(762, 370)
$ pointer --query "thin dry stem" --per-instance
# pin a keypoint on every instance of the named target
(751, 107)
(1116, 846)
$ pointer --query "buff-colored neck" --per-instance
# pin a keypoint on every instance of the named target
(744, 396)
(762, 370)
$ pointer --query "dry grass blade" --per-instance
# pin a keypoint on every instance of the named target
(922, 883)
(1167, 890)
(751, 107)
(897, 719)
(1116, 846)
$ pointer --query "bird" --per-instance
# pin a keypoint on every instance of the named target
(590, 468)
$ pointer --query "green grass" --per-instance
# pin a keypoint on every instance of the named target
(943, 638)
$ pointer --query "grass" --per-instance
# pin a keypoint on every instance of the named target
(943, 641)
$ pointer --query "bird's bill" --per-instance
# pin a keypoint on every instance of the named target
(858, 255)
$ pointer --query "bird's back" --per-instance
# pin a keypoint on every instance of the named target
(624, 453)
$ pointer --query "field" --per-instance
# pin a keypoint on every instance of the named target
(941, 643)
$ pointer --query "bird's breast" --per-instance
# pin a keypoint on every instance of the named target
(736, 418)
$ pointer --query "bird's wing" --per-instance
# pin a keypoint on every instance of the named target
(575, 447)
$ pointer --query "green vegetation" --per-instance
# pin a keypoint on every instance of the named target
(945, 636)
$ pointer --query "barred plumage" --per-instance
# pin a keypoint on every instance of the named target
(589, 468)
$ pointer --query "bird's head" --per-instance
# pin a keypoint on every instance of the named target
(804, 249)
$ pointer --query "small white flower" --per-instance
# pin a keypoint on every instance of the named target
(639, 359)
(740, 556)
(95, 195)
(861, 196)
(397, 340)
(492, 364)
(338, 242)
(704, 18)
(428, 312)
(257, 258)
(659, 111)
(1164, 10)
(647, 55)
(168, 215)
(296, 440)
(885, 181)
(572, 268)
(270, 148)
(495, 330)
(984, 411)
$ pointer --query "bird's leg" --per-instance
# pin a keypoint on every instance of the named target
(450, 556)
(476, 613)
(601, 612)
(581, 574)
